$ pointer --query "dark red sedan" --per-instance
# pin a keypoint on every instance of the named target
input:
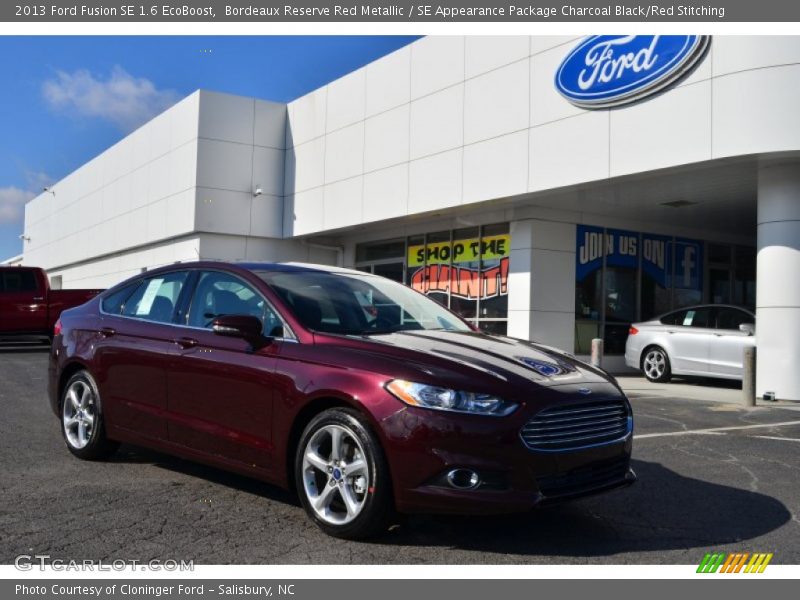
(365, 395)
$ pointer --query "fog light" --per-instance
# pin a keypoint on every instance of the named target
(463, 479)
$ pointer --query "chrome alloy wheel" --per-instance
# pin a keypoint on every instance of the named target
(79, 414)
(655, 363)
(335, 474)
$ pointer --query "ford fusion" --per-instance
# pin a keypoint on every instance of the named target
(366, 396)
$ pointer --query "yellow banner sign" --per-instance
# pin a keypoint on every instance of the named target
(493, 247)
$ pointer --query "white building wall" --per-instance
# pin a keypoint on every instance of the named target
(138, 192)
(109, 270)
(145, 201)
(240, 148)
(451, 121)
(541, 282)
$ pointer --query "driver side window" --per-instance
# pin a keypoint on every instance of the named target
(218, 294)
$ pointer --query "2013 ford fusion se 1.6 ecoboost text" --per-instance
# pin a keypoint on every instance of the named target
(366, 396)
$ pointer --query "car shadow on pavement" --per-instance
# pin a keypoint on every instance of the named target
(711, 382)
(662, 511)
(136, 455)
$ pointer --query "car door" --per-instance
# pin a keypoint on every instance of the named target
(134, 345)
(221, 389)
(726, 350)
(23, 305)
(690, 339)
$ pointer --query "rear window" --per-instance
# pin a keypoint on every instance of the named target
(675, 318)
(691, 317)
(156, 298)
(17, 280)
(114, 302)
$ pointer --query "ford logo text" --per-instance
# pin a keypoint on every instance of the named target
(611, 70)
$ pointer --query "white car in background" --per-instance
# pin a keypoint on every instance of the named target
(704, 341)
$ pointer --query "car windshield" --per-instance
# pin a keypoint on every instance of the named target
(354, 304)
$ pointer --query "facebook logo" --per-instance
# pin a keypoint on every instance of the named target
(688, 264)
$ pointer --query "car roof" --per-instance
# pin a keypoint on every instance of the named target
(696, 306)
(278, 267)
(296, 267)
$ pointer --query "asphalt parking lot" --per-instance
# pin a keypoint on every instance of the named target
(730, 489)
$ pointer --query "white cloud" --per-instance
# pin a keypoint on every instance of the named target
(123, 99)
(12, 201)
(37, 180)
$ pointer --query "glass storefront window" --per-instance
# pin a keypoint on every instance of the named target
(380, 250)
(744, 280)
(656, 294)
(464, 269)
(495, 249)
(590, 254)
(466, 275)
(626, 276)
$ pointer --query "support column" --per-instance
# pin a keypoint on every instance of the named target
(778, 281)
(541, 283)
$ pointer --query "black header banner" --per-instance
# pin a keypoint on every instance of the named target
(161, 11)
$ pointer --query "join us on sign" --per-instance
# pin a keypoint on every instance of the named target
(594, 247)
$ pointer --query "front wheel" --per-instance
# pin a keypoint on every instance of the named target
(342, 475)
(655, 365)
(82, 419)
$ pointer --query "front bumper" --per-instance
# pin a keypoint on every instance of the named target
(423, 445)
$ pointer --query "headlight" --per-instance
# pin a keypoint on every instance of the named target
(439, 398)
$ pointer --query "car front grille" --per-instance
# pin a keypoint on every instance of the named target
(577, 425)
(584, 480)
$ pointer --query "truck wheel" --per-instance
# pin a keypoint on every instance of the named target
(82, 419)
(342, 476)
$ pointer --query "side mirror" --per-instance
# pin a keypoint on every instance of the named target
(245, 327)
(748, 328)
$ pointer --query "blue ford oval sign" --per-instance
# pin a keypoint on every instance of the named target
(609, 70)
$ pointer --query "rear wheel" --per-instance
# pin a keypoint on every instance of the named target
(342, 476)
(82, 419)
(655, 365)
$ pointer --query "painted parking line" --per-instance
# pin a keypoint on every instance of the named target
(775, 437)
(713, 430)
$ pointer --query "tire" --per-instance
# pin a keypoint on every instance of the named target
(655, 365)
(325, 485)
(82, 425)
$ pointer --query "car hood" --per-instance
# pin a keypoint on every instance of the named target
(482, 358)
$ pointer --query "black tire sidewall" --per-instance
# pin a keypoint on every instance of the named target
(373, 518)
(99, 446)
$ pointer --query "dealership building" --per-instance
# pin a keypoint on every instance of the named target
(556, 189)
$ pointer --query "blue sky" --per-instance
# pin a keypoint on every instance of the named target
(66, 99)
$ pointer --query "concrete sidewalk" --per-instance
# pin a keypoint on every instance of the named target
(710, 390)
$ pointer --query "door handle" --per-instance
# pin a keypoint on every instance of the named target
(186, 342)
(38, 298)
(107, 331)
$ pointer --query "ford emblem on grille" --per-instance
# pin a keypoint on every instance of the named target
(584, 391)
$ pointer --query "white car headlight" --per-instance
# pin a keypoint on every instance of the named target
(439, 398)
